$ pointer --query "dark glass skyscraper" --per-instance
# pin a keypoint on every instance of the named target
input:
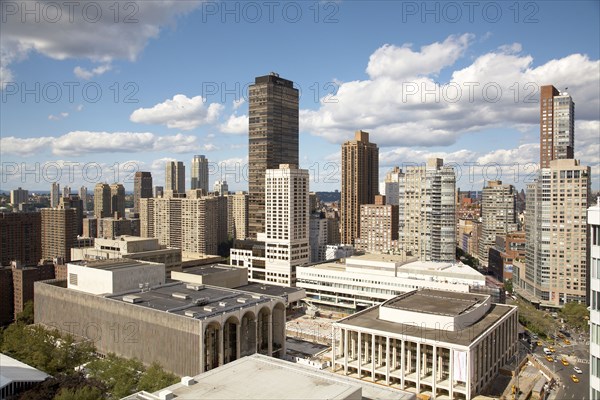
(142, 188)
(273, 139)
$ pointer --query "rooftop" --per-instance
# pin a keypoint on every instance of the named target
(264, 378)
(436, 302)
(369, 319)
(393, 258)
(15, 371)
(191, 300)
(110, 264)
(208, 269)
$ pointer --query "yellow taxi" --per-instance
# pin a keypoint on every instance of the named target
(552, 349)
(564, 362)
(550, 358)
(567, 341)
(540, 343)
(574, 378)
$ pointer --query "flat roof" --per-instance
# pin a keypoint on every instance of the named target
(369, 319)
(269, 290)
(258, 377)
(15, 371)
(208, 269)
(438, 302)
(395, 258)
(110, 264)
(182, 298)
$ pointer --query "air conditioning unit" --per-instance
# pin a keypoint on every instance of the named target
(132, 299)
(182, 296)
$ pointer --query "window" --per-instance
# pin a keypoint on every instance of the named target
(73, 279)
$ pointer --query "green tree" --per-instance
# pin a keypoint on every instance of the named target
(121, 376)
(508, 285)
(84, 393)
(575, 315)
(26, 316)
(156, 378)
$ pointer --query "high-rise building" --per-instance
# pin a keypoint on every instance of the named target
(238, 215)
(593, 220)
(318, 237)
(391, 186)
(196, 223)
(158, 191)
(66, 192)
(287, 224)
(378, 227)
(426, 199)
(18, 196)
(83, 195)
(142, 188)
(54, 194)
(557, 125)
(556, 235)
(21, 238)
(360, 182)
(220, 188)
(200, 173)
(75, 202)
(102, 201)
(117, 200)
(59, 232)
(175, 176)
(498, 216)
(273, 139)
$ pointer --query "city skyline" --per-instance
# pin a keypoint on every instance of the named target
(409, 128)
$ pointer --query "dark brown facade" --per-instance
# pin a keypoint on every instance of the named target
(273, 139)
(20, 238)
(360, 181)
(142, 188)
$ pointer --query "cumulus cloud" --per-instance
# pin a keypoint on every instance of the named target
(86, 142)
(86, 74)
(402, 104)
(180, 112)
(89, 32)
(236, 125)
(57, 117)
(238, 103)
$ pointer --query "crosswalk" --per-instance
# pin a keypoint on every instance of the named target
(583, 361)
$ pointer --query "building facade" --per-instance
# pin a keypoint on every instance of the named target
(273, 139)
(20, 238)
(102, 201)
(19, 196)
(360, 182)
(175, 176)
(59, 232)
(556, 237)
(593, 220)
(238, 215)
(378, 227)
(221, 188)
(54, 194)
(557, 125)
(498, 216)
(317, 237)
(200, 173)
(426, 199)
(453, 347)
(142, 188)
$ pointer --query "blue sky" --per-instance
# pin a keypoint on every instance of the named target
(172, 76)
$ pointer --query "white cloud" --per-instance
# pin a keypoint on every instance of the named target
(238, 103)
(86, 74)
(403, 105)
(79, 34)
(86, 142)
(180, 112)
(235, 125)
(402, 62)
(62, 115)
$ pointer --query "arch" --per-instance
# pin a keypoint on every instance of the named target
(231, 338)
(263, 329)
(212, 333)
(248, 333)
(278, 326)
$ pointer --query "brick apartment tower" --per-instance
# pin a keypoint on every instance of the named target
(557, 119)
(273, 139)
(360, 181)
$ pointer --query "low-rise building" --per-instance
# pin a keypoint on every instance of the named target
(433, 343)
(204, 326)
(131, 247)
(17, 377)
(366, 280)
